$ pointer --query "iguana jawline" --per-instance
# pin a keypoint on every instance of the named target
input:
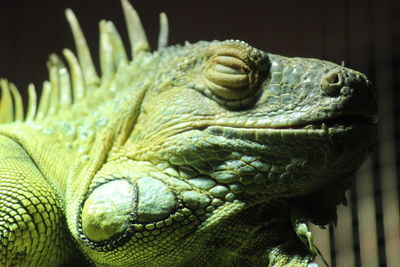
(334, 122)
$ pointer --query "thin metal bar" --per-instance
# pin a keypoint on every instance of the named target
(393, 225)
(366, 214)
(344, 237)
(355, 226)
(332, 245)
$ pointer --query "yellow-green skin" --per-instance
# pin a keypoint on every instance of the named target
(207, 154)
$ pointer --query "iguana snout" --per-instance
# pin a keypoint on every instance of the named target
(342, 81)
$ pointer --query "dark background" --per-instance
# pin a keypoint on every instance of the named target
(364, 34)
(332, 30)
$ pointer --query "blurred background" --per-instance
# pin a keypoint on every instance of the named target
(365, 34)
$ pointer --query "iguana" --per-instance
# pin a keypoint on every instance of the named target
(205, 154)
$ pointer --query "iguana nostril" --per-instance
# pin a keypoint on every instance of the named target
(332, 82)
(334, 78)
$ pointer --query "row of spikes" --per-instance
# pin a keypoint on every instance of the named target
(64, 87)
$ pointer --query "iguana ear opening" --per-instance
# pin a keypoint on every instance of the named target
(234, 70)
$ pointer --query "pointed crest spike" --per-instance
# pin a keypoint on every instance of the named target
(136, 33)
(119, 53)
(44, 101)
(64, 84)
(78, 84)
(164, 29)
(6, 105)
(18, 106)
(85, 59)
(32, 104)
(54, 83)
(106, 50)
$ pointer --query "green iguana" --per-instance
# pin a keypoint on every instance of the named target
(206, 154)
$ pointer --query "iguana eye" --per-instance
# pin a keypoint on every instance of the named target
(233, 70)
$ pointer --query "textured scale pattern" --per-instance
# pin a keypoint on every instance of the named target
(30, 219)
(205, 154)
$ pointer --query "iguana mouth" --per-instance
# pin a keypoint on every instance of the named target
(335, 122)
(341, 127)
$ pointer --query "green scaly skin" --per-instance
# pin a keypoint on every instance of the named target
(207, 154)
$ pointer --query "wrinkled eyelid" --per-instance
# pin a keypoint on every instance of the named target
(238, 56)
(239, 51)
(228, 70)
(230, 64)
(233, 70)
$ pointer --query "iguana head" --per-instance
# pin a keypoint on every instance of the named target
(303, 122)
(212, 145)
